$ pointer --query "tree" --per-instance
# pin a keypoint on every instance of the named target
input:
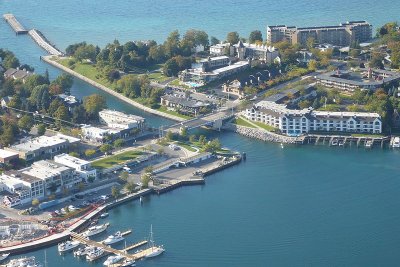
(64, 82)
(192, 138)
(145, 179)
(35, 202)
(74, 154)
(202, 139)
(119, 143)
(171, 68)
(157, 53)
(34, 81)
(10, 61)
(160, 151)
(232, 38)
(79, 114)
(25, 123)
(93, 104)
(41, 129)
(115, 192)
(310, 43)
(312, 65)
(90, 152)
(130, 187)
(214, 40)
(7, 137)
(171, 45)
(376, 61)
(183, 132)
(106, 148)
(255, 36)
(124, 176)
(61, 115)
(169, 136)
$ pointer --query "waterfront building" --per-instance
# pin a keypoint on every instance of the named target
(341, 35)
(52, 174)
(297, 122)
(119, 120)
(95, 134)
(201, 76)
(82, 167)
(182, 104)
(42, 147)
(221, 49)
(261, 52)
(18, 188)
(364, 79)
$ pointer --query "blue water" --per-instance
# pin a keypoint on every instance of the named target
(297, 206)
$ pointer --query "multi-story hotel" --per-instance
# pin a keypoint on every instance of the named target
(341, 35)
(296, 122)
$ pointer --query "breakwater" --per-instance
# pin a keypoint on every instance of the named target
(261, 134)
(42, 41)
(14, 23)
(49, 60)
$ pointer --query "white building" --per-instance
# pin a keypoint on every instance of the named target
(120, 120)
(221, 49)
(82, 167)
(20, 188)
(256, 52)
(296, 122)
(96, 134)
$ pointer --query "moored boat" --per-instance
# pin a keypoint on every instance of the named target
(112, 239)
(97, 253)
(67, 246)
(112, 260)
(83, 251)
(128, 263)
(104, 215)
(4, 256)
(155, 250)
(94, 230)
(24, 262)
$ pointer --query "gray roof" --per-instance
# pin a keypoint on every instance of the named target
(190, 103)
(9, 72)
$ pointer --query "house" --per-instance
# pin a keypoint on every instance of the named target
(235, 88)
(5, 100)
(183, 105)
(69, 100)
(17, 74)
(82, 167)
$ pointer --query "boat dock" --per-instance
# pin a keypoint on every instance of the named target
(123, 252)
(14, 23)
(351, 141)
(39, 38)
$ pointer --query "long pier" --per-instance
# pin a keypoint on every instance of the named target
(14, 23)
(123, 252)
(39, 38)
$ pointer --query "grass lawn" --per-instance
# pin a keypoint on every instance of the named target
(176, 82)
(116, 159)
(89, 71)
(173, 112)
(188, 147)
(264, 126)
(157, 76)
(242, 122)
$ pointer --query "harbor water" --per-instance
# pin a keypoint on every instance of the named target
(290, 206)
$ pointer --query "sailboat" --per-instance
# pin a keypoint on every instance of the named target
(141, 200)
(155, 250)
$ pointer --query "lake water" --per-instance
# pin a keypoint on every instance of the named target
(296, 206)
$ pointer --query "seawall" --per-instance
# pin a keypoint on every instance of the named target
(48, 60)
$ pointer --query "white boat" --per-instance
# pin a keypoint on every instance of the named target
(112, 260)
(4, 256)
(94, 230)
(68, 245)
(95, 254)
(155, 250)
(368, 144)
(104, 215)
(84, 251)
(281, 145)
(112, 239)
(24, 262)
(334, 142)
(128, 263)
(396, 142)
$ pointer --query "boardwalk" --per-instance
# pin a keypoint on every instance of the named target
(123, 252)
(14, 23)
(43, 43)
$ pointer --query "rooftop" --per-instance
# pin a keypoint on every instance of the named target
(44, 169)
(38, 143)
(6, 153)
(70, 160)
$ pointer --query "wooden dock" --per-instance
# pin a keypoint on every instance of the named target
(39, 38)
(123, 252)
(14, 23)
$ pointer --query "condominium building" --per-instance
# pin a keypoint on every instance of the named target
(82, 167)
(364, 79)
(119, 120)
(42, 147)
(296, 122)
(341, 35)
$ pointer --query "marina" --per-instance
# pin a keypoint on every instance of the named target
(15, 24)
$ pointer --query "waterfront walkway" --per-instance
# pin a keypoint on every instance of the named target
(51, 61)
(14, 23)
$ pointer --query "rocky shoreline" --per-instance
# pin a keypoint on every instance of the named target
(260, 134)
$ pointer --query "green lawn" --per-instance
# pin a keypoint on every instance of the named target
(176, 82)
(368, 135)
(188, 147)
(172, 112)
(157, 76)
(264, 126)
(89, 71)
(242, 122)
(116, 159)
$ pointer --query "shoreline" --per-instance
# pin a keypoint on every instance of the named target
(48, 60)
